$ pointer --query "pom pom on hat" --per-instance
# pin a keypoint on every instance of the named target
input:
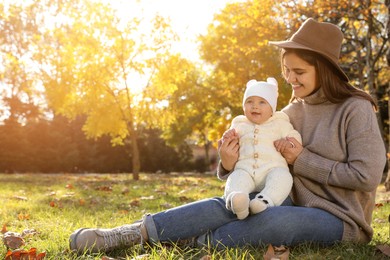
(267, 90)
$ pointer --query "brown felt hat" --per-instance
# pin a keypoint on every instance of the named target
(323, 38)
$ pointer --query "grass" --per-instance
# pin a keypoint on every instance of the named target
(54, 205)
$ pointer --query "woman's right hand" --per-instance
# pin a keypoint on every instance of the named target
(228, 150)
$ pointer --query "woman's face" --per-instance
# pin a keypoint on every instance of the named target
(300, 75)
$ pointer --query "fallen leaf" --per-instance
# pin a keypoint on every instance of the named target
(184, 199)
(20, 198)
(380, 220)
(166, 205)
(69, 186)
(140, 257)
(104, 188)
(13, 240)
(68, 194)
(378, 205)
(135, 203)
(4, 229)
(53, 193)
(151, 197)
(161, 192)
(385, 249)
(107, 258)
(276, 253)
(21, 254)
(22, 216)
(29, 232)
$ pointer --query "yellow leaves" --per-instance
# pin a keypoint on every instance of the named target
(106, 118)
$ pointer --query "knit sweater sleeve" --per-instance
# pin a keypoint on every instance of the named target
(222, 173)
(365, 153)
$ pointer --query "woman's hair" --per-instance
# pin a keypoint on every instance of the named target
(328, 78)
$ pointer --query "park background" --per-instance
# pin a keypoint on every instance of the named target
(108, 86)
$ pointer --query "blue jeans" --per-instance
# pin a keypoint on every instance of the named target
(213, 224)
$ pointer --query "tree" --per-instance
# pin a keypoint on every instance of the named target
(19, 97)
(92, 63)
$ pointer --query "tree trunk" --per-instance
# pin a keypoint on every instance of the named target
(136, 160)
(134, 148)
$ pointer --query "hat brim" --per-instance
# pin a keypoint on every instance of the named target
(294, 45)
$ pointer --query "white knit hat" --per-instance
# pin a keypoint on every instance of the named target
(267, 90)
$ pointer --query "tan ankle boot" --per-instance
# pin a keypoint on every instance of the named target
(103, 240)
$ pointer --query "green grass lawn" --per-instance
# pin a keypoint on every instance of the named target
(52, 206)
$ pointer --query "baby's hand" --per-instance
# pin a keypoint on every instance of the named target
(229, 135)
(290, 148)
(282, 144)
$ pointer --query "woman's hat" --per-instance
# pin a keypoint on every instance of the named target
(323, 38)
(265, 89)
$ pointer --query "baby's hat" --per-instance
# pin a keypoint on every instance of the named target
(267, 90)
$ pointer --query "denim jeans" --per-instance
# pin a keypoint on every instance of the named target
(213, 224)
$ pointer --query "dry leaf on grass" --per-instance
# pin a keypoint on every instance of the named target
(13, 240)
(135, 203)
(29, 232)
(277, 253)
(125, 190)
(385, 249)
(23, 216)
(141, 257)
(20, 198)
(104, 188)
(4, 229)
(25, 255)
(151, 197)
(108, 258)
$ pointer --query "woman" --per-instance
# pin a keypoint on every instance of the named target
(336, 170)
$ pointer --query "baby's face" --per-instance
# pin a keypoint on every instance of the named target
(257, 109)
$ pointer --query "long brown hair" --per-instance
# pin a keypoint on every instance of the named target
(329, 79)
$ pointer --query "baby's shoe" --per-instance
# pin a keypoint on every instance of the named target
(258, 204)
(238, 203)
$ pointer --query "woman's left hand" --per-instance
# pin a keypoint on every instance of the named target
(290, 148)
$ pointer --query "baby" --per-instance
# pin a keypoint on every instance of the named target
(260, 168)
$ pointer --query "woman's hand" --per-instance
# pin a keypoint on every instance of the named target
(228, 149)
(290, 148)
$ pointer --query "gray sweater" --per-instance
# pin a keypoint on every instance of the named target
(342, 161)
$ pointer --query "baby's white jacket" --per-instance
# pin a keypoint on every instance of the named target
(257, 150)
